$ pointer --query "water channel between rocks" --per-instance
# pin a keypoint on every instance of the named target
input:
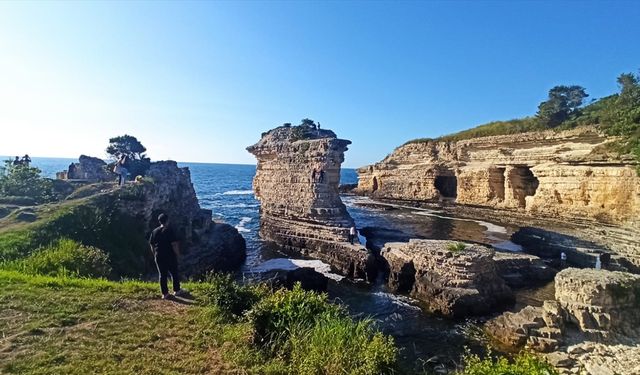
(425, 340)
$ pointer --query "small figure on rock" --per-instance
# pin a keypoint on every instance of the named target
(321, 176)
(313, 175)
(17, 161)
(121, 170)
(598, 262)
(563, 259)
(26, 160)
(165, 248)
(353, 233)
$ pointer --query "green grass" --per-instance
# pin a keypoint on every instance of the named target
(522, 364)
(53, 325)
(456, 247)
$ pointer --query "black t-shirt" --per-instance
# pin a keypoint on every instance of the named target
(161, 240)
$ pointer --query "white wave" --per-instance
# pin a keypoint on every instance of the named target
(239, 205)
(238, 192)
(286, 264)
(397, 299)
(507, 245)
(240, 227)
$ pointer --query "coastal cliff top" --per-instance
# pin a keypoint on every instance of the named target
(289, 134)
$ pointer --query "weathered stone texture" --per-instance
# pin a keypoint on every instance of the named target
(559, 175)
(88, 168)
(206, 246)
(301, 210)
(452, 283)
(595, 316)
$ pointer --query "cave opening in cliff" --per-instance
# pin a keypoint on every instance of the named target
(496, 183)
(523, 183)
(447, 186)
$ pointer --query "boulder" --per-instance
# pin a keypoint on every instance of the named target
(89, 168)
(452, 282)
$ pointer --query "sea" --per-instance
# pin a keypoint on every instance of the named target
(426, 342)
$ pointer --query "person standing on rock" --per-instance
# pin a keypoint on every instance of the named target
(121, 170)
(26, 160)
(321, 176)
(165, 248)
(563, 259)
(353, 232)
(313, 175)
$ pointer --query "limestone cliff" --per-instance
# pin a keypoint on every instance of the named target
(553, 173)
(296, 182)
(564, 175)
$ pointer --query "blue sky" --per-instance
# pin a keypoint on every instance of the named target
(200, 81)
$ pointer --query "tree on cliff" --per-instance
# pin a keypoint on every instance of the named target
(129, 146)
(622, 116)
(563, 102)
(126, 145)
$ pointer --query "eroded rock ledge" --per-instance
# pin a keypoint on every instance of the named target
(301, 213)
(455, 283)
(594, 312)
(205, 245)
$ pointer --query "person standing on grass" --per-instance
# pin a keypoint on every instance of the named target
(165, 248)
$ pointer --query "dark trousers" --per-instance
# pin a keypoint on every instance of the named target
(351, 238)
(168, 264)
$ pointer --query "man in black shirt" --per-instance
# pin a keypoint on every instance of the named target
(164, 246)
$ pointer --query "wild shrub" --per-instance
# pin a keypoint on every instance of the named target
(25, 181)
(340, 345)
(522, 364)
(274, 317)
(65, 257)
(456, 247)
(230, 298)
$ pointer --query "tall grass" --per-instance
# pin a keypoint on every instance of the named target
(64, 257)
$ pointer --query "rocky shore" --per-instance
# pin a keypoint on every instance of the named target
(550, 178)
(592, 325)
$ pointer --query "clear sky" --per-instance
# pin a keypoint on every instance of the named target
(200, 81)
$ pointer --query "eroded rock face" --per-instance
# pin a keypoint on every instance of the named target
(560, 175)
(301, 209)
(452, 283)
(205, 245)
(595, 315)
(88, 168)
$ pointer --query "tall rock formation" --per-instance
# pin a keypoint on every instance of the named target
(565, 175)
(296, 182)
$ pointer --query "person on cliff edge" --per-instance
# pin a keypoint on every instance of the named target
(165, 248)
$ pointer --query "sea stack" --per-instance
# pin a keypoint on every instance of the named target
(296, 182)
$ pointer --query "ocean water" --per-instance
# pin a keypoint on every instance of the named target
(425, 340)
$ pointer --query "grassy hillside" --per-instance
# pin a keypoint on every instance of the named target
(616, 115)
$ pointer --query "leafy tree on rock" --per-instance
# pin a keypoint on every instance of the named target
(126, 145)
(622, 118)
(129, 146)
(563, 102)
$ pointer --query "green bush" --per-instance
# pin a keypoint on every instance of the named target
(456, 246)
(230, 298)
(522, 364)
(274, 317)
(98, 223)
(64, 257)
(25, 181)
(339, 345)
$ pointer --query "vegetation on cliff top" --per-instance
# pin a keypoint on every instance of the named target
(616, 115)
